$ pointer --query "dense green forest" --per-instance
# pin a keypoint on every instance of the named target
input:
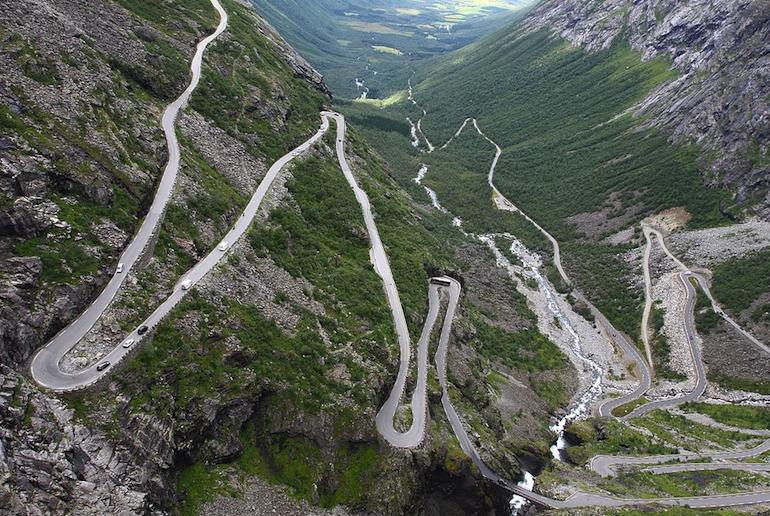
(559, 113)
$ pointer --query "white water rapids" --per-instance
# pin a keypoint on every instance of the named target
(413, 134)
(433, 197)
(531, 267)
(595, 390)
(517, 503)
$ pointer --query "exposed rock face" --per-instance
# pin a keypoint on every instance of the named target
(721, 100)
(50, 463)
(21, 326)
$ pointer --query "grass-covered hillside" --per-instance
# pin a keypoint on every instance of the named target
(559, 114)
(574, 156)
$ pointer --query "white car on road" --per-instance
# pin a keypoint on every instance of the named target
(120, 268)
(128, 343)
(223, 246)
(186, 284)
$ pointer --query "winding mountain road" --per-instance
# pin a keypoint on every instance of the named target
(695, 353)
(647, 295)
(707, 290)
(610, 332)
(690, 330)
(605, 464)
(379, 259)
(45, 365)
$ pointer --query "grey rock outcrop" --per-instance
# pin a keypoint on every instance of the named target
(721, 98)
(52, 464)
(29, 218)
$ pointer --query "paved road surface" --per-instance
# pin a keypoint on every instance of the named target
(379, 259)
(705, 286)
(606, 465)
(45, 365)
(647, 295)
(710, 466)
(606, 407)
(688, 321)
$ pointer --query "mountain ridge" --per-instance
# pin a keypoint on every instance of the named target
(719, 102)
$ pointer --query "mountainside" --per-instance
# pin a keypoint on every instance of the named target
(82, 148)
(275, 364)
(365, 47)
(721, 99)
(596, 103)
(219, 295)
(571, 158)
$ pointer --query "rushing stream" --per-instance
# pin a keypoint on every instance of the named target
(531, 267)
(433, 197)
(519, 502)
(594, 391)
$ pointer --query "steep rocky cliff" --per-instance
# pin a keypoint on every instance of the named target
(721, 98)
(49, 460)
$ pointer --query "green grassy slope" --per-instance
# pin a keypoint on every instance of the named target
(558, 113)
(741, 281)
